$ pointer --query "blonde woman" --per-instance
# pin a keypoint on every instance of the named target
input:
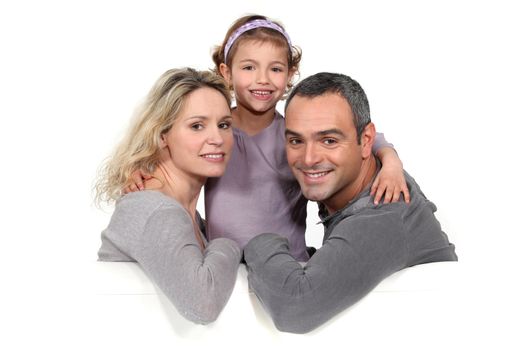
(181, 136)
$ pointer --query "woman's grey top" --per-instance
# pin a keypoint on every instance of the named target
(157, 232)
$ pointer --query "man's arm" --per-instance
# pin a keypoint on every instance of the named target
(361, 252)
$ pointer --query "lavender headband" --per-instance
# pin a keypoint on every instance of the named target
(256, 23)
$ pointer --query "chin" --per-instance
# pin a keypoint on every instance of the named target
(216, 173)
(313, 195)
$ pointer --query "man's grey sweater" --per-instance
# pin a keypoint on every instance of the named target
(362, 245)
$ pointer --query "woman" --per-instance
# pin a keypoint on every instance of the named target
(182, 136)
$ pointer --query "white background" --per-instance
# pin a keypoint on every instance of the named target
(445, 81)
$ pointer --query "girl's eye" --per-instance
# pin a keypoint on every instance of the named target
(225, 125)
(277, 69)
(248, 68)
(197, 126)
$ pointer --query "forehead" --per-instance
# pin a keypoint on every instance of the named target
(205, 101)
(255, 49)
(314, 114)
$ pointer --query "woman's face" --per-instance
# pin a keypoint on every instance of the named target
(200, 141)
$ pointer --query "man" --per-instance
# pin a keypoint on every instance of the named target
(329, 138)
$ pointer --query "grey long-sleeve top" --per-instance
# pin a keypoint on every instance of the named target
(156, 231)
(362, 245)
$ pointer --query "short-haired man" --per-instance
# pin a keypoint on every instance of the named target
(329, 141)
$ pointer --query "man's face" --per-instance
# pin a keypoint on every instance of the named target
(322, 148)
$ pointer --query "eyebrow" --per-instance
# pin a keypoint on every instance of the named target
(250, 60)
(336, 131)
(203, 117)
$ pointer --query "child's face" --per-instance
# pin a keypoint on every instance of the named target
(259, 74)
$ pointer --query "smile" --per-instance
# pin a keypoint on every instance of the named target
(261, 92)
(213, 156)
(316, 175)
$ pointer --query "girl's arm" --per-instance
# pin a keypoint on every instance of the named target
(390, 181)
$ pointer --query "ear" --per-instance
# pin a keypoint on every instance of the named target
(225, 72)
(291, 73)
(367, 140)
(163, 142)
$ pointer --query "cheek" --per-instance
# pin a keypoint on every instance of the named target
(292, 155)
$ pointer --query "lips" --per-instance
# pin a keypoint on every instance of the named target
(316, 175)
(214, 157)
(262, 94)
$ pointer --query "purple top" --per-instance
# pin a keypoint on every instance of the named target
(258, 192)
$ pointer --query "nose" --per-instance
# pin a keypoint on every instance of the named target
(215, 137)
(262, 76)
(311, 155)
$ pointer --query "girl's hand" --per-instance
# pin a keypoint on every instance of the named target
(390, 181)
(137, 182)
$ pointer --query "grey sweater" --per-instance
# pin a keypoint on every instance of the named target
(157, 232)
(362, 245)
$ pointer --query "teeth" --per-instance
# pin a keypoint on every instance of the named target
(213, 156)
(257, 92)
(316, 175)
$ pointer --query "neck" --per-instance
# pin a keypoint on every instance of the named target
(348, 194)
(252, 122)
(183, 188)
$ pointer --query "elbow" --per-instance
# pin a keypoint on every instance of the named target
(201, 312)
(296, 326)
(298, 318)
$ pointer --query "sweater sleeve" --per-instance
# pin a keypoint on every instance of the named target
(197, 283)
(360, 252)
(380, 142)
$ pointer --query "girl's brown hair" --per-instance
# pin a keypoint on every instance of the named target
(261, 34)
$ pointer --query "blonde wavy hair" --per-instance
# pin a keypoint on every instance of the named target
(140, 147)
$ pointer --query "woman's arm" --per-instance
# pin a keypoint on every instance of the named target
(198, 283)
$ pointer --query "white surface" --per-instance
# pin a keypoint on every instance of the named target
(445, 83)
(427, 295)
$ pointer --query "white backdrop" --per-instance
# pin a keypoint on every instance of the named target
(445, 82)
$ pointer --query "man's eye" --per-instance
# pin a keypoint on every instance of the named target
(329, 141)
(294, 141)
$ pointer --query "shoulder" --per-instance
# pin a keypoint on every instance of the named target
(373, 218)
(145, 204)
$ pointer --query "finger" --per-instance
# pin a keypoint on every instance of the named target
(379, 194)
(406, 193)
(373, 189)
(388, 196)
(396, 195)
(133, 188)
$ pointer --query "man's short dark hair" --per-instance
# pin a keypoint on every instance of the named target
(321, 83)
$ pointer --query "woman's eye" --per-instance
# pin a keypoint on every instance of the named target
(197, 126)
(225, 125)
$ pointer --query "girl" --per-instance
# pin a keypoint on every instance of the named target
(258, 192)
(182, 136)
